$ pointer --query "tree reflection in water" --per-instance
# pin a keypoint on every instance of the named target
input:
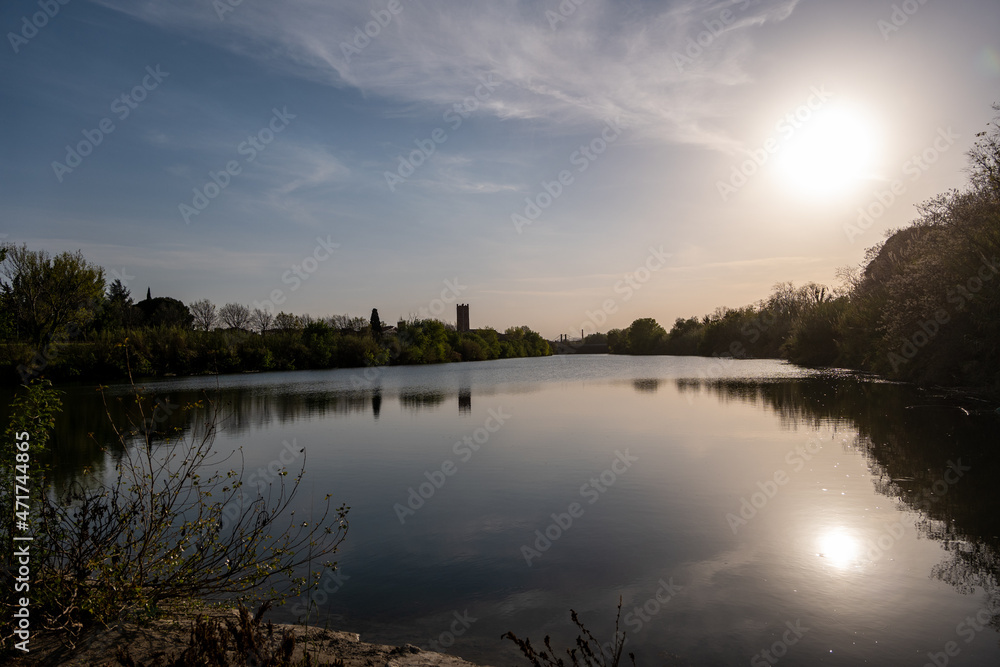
(933, 452)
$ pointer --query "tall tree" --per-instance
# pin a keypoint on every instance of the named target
(984, 156)
(48, 296)
(235, 315)
(117, 292)
(646, 336)
(261, 320)
(118, 306)
(376, 324)
(204, 314)
(287, 322)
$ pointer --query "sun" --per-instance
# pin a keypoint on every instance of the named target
(830, 153)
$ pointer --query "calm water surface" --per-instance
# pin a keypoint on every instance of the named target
(734, 506)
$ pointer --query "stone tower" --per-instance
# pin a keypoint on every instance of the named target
(463, 317)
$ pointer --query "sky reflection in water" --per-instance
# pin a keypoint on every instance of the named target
(767, 496)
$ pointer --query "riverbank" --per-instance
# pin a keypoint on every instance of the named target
(116, 355)
(169, 637)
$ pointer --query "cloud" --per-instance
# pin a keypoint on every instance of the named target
(454, 173)
(158, 138)
(744, 264)
(170, 257)
(601, 61)
(458, 183)
(309, 168)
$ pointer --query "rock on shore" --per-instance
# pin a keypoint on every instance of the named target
(169, 637)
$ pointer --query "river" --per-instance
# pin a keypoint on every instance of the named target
(746, 512)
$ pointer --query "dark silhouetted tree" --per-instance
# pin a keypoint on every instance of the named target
(261, 320)
(117, 307)
(164, 311)
(235, 316)
(646, 336)
(204, 314)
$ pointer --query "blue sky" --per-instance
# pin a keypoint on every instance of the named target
(649, 110)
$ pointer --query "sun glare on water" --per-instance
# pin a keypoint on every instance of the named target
(830, 153)
(839, 548)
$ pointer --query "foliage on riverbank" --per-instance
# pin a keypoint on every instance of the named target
(171, 523)
(588, 652)
(163, 338)
(924, 306)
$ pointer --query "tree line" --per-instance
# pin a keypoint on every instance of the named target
(923, 306)
(60, 318)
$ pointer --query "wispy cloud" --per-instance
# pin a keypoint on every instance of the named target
(597, 63)
(309, 168)
(456, 174)
(173, 257)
